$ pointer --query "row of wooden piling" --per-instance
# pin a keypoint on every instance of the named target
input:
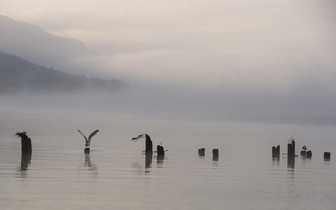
(26, 148)
(291, 152)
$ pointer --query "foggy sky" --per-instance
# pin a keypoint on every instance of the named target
(274, 52)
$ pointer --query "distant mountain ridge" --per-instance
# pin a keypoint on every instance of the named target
(38, 46)
(18, 75)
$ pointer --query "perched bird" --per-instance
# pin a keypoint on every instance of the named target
(304, 147)
(88, 140)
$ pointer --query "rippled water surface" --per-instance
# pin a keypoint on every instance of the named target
(116, 175)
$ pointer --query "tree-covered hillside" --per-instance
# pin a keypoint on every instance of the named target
(18, 75)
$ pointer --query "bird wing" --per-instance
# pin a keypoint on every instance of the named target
(91, 135)
(82, 135)
(138, 137)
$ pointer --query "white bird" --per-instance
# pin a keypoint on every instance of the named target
(88, 140)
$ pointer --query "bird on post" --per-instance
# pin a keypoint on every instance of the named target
(149, 144)
(88, 140)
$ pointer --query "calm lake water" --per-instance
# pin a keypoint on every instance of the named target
(116, 176)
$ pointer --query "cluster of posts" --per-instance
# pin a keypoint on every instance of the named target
(291, 152)
(215, 153)
(149, 150)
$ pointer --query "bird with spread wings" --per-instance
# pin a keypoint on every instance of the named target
(88, 140)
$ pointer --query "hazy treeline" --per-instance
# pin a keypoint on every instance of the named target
(18, 75)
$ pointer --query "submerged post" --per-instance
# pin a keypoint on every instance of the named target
(215, 154)
(160, 152)
(201, 152)
(26, 150)
(327, 156)
(291, 149)
(291, 153)
(149, 145)
(276, 152)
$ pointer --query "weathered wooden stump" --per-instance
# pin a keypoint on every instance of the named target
(26, 150)
(149, 145)
(291, 154)
(276, 152)
(87, 151)
(309, 154)
(327, 156)
(26, 145)
(303, 153)
(160, 152)
(291, 149)
(201, 152)
(215, 154)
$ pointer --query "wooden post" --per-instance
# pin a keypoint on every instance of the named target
(149, 145)
(291, 149)
(201, 152)
(291, 154)
(26, 150)
(160, 152)
(276, 152)
(303, 153)
(215, 154)
(26, 146)
(327, 156)
(87, 151)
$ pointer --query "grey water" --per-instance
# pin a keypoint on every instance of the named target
(116, 175)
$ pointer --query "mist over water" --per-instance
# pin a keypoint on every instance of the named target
(116, 175)
(167, 102)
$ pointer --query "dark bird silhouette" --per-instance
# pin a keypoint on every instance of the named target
(149, 144)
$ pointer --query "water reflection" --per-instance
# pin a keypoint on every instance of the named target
(92, 168)
(25, 160)
(89, 164)
(276, 162)
(159, 161)
(291, 170)
(290, 162)
(148, 160)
